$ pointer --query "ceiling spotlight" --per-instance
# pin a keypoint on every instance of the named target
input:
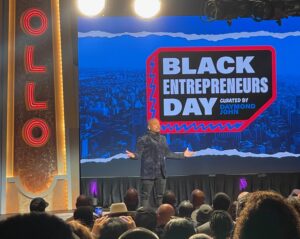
(90, 7)
(147, 8)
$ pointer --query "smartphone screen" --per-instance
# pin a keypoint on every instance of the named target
(98, 211)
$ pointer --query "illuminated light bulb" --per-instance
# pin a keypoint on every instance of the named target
(147, 8)
(90, 7)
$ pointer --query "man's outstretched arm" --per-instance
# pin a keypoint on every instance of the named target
(172, 155)
(139, 150)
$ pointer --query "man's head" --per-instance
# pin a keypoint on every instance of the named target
(179, 228)
(113, 228)
(169, 198)
(241, 202)
(154, 125)
(83, 200)
(185, 209)
(38, 205)
(203, 214)
(221, 201)
(221, 224)
(146, 217)
(84, 214)
(164, 214)
(197, 198)
(131, 199)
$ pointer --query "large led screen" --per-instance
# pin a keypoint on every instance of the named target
(229, 93)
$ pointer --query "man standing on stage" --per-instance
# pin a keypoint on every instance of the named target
(152, 149)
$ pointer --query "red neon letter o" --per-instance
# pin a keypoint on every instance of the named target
(25, 22)
(28, 136)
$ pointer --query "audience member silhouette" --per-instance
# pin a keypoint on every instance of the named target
(221, 224)
(84, 214)
(83, 200)
(185, 209)
(38, 205)
(197, 198)
(295, 192)
(295, 202)
(267, 215)
(241, 202)
(179, 228)
(169, 198)
(35, 226)
(221, 201)
(146, 218)
(80, 230)
(203, 214)
(109, 228)
(200, 236)
(138, 233)
(260, 215)
(232, 210)
(164, 214)
(131, 199)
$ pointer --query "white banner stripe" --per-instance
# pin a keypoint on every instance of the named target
(191, 37)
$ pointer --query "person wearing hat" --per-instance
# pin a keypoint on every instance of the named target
(118, 209)
(38, 205)
(152, 149)
(113, 224)
(202, 214)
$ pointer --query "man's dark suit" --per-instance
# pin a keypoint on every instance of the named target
(152, 150)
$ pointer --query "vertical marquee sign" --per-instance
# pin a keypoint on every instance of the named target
(36, 138)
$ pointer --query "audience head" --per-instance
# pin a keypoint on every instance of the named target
(169, 198)
(35, 226)
(80, 230)
(295, 192)
(221, 224)
(139, 233)
(185, 209)
(84, 214)
(38, 205)
(113, 228)
(203, 214)
(221, 201)
(179, 228)
(232, 210)
(164, 214)
(146, 218)
(200, 236)
(197, 198)
(241, 202)
(131, 199)
(295, 202)
(83, 200)
(242, 195)
(267, 215)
